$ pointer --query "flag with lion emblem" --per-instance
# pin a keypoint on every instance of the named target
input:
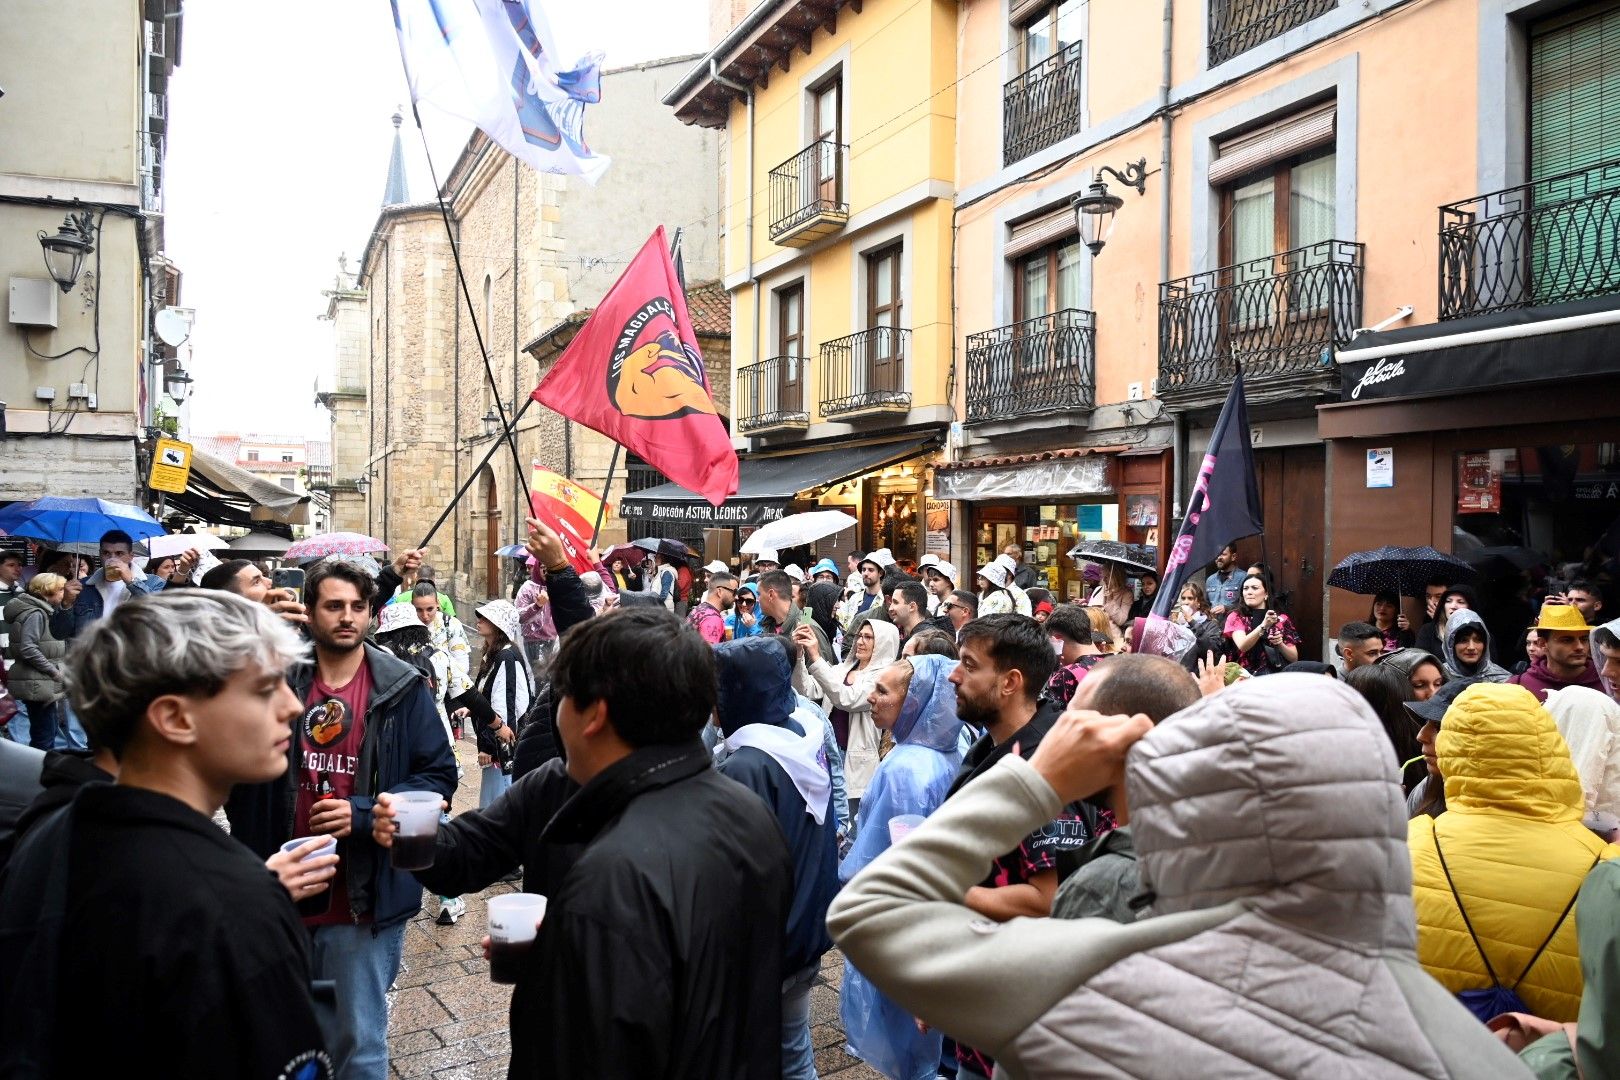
(634, 374)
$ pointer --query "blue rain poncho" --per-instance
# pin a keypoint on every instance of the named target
(913, 779)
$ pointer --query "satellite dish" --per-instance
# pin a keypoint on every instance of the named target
(173, 325)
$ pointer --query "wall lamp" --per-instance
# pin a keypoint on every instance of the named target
(65, 252)
(1094, 211)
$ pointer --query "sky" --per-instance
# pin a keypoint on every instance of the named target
(279, 144)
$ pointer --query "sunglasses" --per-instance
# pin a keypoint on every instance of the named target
(746, 603)
(950, 607)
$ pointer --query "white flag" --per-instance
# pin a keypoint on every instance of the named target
(493, 62)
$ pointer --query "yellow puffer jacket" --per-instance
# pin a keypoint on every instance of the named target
(1517, 851)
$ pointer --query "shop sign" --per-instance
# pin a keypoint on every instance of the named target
(1381, 467)
(937, 539)
(701, 512)
(1049, 479)
(1479, 485)
(1599, 491)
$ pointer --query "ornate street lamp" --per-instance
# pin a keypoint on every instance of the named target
(492, 422)
(1094, 211)
(65, 252)
(177, 383)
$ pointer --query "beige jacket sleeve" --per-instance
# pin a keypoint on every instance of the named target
(830, 681)
(902, 922)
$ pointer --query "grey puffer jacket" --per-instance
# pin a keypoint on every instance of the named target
(37, 673)
(1271, 832)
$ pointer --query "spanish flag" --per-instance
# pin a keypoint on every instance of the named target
(634, 373)
(569, 510)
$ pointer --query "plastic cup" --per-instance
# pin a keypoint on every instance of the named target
(417, 815)
(321, 902)
(514, 921)
(901, 826)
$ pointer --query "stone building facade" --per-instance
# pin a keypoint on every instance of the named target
(535, 248)
(342, 389)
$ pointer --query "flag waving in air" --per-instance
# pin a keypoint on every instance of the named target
(634, 374)
(493, 62)
(569, 510)
(1225, 503)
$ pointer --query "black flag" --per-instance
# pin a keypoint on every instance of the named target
(1225, 503)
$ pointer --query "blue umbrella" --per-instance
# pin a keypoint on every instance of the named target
(1396, 569)
(54, 520)
(513, 551)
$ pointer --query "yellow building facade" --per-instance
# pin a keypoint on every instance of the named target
(840, 167)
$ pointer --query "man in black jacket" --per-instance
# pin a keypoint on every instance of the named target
(767, 752)
(537, 739)
(136, 938)
(661, 950)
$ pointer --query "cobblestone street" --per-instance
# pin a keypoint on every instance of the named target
(446, 1020)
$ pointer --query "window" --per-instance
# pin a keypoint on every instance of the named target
(1049, 33)
(1048, 280)
(883, 288)
(1277, 186)
(287, 482)
(790, 347)
(827, 123)
(253, 455)
(286, 457)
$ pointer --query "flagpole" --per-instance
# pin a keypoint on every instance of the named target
(494, 448)
(509, 430)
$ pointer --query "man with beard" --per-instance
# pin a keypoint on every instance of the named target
(369, 725)
(1006, 661)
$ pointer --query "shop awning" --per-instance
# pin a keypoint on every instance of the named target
(1549, 343)
(765, 485)
(222, 494)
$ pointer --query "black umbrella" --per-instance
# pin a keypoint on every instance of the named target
(1520, 558)
(1130, 556)
(673, 548)
(1397, 569)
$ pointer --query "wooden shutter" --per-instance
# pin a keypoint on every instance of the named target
(1575, 90)
(1025, 11)
(1035, 233)
(1277, 141)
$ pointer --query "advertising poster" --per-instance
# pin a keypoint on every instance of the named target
(1479, 485)
(937, 539)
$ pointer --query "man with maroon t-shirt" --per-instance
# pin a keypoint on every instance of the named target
(368, 725)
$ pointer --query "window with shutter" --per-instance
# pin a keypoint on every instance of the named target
(1574, 218)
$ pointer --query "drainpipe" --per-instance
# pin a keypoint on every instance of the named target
(753, 282)
(1178, 421)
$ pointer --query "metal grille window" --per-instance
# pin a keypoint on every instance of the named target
(1236, 26)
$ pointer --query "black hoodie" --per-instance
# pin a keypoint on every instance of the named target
(137, 939)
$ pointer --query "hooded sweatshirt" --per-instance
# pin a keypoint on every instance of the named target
(755, 690)
(1270, 828)
(1484, 669)
(913, 779)
(1540, 681)
(1613, 627)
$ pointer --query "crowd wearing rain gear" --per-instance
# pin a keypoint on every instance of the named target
(1271, 832)
(912, 779)
(1494, 877)
(847, 688)
(1590, 724)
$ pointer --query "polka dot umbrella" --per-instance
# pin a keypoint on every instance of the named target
(1401, 570)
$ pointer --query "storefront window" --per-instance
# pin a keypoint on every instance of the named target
(1047, 534)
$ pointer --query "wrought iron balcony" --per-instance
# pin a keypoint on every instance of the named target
(1042, 106)
(1040, 365)
(771, 394)
(1544, 242)
(1280, 317)
(865, 373)
(1236, 26)
(808, 200)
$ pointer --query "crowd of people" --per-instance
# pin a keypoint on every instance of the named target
(1045, 847)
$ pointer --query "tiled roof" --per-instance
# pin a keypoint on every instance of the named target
(709, 305)
(1029, 459)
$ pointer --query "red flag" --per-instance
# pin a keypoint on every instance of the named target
(634, 374)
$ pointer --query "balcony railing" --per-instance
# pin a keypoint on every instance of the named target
(808, 200)
(1277, 316)
(1544, 242)
(1036, 366)
(1042, 106)
(771, 394)
(1236, 26)
(865, 372)
(318, 477)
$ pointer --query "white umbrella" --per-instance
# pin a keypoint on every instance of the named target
(159, 547)
(797, 529)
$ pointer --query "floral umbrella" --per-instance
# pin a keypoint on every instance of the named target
(337, 543)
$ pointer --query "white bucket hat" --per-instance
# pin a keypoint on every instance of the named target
(881, 558)
(995, 573)
(506, 619)
(766, 555)
(397, 617)
(718, 567)
(794, 571)
(928, 560)
(945, 570)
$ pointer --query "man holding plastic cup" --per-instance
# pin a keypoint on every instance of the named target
(667, 966)
(368, 726)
